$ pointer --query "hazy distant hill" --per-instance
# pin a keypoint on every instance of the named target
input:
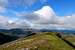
(65, 32)
(16, 32)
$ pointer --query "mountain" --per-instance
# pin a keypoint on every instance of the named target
(40, 41)
(6, 38)
(55, 30)
(25, 32)
(4, 30)
(13, 34)
(16, 32)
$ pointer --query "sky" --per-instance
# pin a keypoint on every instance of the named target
(50, 14)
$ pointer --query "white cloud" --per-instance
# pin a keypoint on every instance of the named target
(3, 4)
(42, 18)
(49, 20)
(46, 15)
(6, 23)
(46, 18)
(3, 19)
(18, 24)
(46, 12)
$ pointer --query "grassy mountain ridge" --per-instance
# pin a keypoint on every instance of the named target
(70, 39)
(41, 41)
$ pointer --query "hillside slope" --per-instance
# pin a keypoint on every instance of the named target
(70, 39)
(41, 41)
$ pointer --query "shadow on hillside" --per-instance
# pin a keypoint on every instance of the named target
(69, 43)
(6, 38)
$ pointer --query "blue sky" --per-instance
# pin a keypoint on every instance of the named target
(61, 7)
(58, 13)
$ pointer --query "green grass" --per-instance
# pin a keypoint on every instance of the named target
(41, 41)
(71, 39)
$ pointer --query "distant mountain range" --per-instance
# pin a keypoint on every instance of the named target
(65, 32)
(13, 34)
(25, 32)
(16, 32)
(55, 30)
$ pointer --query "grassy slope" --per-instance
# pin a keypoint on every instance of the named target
(44, 41)
(71, 39)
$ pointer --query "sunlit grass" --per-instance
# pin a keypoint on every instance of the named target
(40, 41)
(71, 39)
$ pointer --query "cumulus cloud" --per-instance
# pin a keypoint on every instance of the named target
(43, 15)
(46, 15)
(49, 20)
(6, 23)
(19, 24)
(43, 18)
(46, 18)
(31, 17)
(40, 18)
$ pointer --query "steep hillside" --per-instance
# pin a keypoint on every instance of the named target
(6, 38)
(70, 39)
(41, 41)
